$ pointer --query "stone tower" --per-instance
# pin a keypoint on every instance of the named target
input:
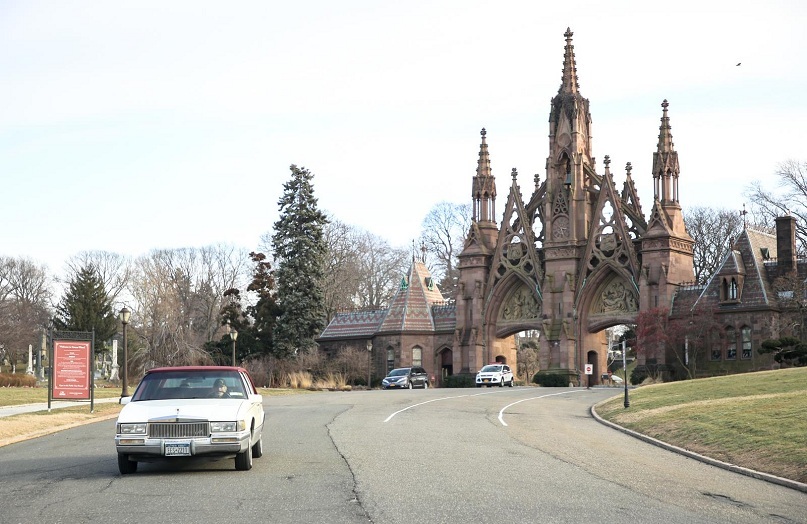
(575, 258)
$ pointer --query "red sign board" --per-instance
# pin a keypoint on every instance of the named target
(71, 370)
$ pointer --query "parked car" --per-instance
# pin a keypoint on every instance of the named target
(494, 375)
(414, 377)
(198, 411)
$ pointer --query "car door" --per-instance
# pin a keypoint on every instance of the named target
(507, 376)
(419, 376)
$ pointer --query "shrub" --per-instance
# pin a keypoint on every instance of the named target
(551, 380)
(459, 381)
(17, 380)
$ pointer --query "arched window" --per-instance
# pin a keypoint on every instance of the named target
(731, 343)
(390, 359)
(714, 343)
(733, 289)
(746, 335)
(417, 356)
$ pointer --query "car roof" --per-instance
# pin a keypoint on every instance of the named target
(196, 368)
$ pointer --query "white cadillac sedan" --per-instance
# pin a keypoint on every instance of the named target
(194, 411)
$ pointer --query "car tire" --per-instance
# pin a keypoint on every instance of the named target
(501, 384)
(511, 382)
(243, 460)
(257, 449)
(125, 465)
(409, 385)
(425, 385)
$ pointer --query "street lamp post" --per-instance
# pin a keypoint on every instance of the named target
(125, 314)
(233, 335)
(625, 371)
(369, 361)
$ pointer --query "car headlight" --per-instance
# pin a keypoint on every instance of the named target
(222, 427)
(227, 427)
(132, 429)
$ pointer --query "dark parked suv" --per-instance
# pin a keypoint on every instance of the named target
(414, 377)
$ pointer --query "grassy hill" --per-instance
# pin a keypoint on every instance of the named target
(755, 420)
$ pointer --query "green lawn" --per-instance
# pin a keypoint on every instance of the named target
(754, 420)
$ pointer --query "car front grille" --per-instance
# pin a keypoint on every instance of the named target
(178, 429)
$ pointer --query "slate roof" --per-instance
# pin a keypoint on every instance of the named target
(747, 258)
(416, 307)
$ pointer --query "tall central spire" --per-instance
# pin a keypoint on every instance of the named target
(665, 163)
(569, 82)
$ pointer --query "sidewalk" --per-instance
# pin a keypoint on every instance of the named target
(8, 411)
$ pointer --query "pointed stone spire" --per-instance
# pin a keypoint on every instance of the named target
(665, 163)
(569, 83)
(665, 143)
(483, 164)
(484, 186)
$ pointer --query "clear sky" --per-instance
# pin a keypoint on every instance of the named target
(127, 126)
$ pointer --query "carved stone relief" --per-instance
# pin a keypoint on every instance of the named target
(521, 304)
(617, 298)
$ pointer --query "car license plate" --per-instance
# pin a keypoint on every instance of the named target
(485, 380)
(178, 449)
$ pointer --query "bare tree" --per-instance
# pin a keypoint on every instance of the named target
(381, 267)
(790, 197)
(113, 268)
(443, 232)
(24, 297)
(713, 231)
(178, 295)
(342, 267)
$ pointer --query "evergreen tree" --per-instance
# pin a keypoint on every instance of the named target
(265, 310)
(300, 250)
(86, 306)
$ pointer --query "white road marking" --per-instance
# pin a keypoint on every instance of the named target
(435, 400)
(501, 413)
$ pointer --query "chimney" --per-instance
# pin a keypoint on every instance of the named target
(786, 243)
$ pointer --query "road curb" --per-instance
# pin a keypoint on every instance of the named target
(792, 484)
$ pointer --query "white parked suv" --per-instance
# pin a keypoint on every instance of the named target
(494, 375)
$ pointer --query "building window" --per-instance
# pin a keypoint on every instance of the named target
(733, 290)
(417, 356)
(746, 334)
(731, 344)
(717, 352)
(390, 359)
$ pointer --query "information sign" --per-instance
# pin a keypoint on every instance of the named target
(71, 369)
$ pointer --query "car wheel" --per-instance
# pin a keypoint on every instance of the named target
(257, 449)
(409, 385)
(501, 384)
(511, 382)
(425, 385)
(125, 465)
(243, 460)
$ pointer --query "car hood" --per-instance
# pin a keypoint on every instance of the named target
(187, 410)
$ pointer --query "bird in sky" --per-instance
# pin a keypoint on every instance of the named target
(739, 63)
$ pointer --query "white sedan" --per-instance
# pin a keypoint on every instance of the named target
(210, 411)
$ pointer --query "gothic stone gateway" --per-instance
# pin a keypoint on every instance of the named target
(577, 257)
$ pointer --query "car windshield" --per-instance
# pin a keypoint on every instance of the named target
(182, 384)
(398, 372)
(491, 369)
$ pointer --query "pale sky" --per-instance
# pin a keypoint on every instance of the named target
(127, 126)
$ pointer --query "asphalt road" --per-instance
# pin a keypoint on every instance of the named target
(441, 455)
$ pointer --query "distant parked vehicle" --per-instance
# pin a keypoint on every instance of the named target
(495, 375)
(406, 378)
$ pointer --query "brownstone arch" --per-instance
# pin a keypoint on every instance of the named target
(574, 258)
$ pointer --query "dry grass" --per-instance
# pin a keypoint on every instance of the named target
(23, 427)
